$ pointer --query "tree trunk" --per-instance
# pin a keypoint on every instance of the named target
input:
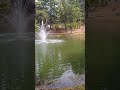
(65, 27)
(65, 24)
(50, 14)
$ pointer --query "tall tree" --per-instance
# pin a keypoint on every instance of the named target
(61, 11)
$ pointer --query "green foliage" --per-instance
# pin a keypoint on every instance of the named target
(55, 12)
(41, 12)
(4, 6)
(74, 25)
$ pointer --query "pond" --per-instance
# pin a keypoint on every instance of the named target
(60, 65)
(17, 62)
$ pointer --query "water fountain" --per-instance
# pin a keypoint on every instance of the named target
(42, 33)
(42, 36)
(18, 21)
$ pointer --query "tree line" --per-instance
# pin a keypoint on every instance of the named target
(64, 13)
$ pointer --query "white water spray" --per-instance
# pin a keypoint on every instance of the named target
(42, 33)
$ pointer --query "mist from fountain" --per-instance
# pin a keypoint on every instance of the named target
(42, 36)
(42, 33)
(17, 20)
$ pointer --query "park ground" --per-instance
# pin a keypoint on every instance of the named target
(61, 31)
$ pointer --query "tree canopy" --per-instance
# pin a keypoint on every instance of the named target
(69, 13)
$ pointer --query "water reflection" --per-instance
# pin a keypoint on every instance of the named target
(17, 65)
(60, 63)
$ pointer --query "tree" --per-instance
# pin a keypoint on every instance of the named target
(46, 11)
(67, 12)
(70, 12)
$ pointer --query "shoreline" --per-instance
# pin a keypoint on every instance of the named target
(80, 31)
(76, 87)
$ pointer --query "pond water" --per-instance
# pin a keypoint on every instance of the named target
(17, 62)
(62, 64)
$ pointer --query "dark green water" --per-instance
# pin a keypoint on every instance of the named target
(16, 63)
(62, 63)
(102, 55)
